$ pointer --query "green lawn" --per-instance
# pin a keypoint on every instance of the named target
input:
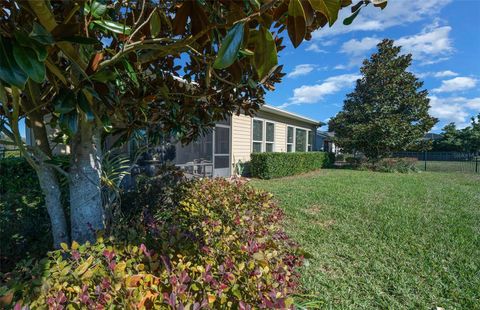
(382, 240)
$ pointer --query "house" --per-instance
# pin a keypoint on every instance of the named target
(324, 141)
(233, 140)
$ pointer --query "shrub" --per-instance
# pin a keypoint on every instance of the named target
(276, 165)
(402, 165)
(24, 222)
(221, 246)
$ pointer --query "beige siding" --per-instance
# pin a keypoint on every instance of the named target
(242, 133)
(280, 137)
(241, 138)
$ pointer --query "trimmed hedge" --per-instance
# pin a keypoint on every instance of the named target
(276, 165)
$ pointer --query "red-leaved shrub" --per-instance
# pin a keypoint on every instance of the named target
(221, 246)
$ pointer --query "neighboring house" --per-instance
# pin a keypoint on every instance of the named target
(233, 140)
(324, 141)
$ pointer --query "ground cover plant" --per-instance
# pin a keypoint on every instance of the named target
(221, 245)
(383, 240)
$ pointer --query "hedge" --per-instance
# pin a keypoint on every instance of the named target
(24, 223)
(276, 165)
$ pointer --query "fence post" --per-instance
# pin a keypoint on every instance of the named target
(425, 159)
(476, 164)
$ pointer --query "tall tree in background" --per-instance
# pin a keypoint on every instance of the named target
(91, 67)
(460, 140)
(387, 111)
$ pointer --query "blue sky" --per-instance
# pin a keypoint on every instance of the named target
(442, 35)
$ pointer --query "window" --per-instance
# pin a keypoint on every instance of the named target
(269, 136)
(257, 137)
(310, 141)
(290, 139)
(263, 137)
(300, 140)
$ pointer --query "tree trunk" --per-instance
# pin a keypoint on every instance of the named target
(51, 191)
(87, 216)
(48, 179)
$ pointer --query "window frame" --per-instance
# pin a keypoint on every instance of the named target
(269, 142)
(264, 141)
(308, 146)
(292, 144)
(253, 135)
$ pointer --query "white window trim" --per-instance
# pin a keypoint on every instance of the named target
(294, 144)
(264, 134)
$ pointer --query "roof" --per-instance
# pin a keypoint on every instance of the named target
(326, 134)
(277, 111)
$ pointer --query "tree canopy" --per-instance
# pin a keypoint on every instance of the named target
(460, 140)
(387, 111)
(87, 68)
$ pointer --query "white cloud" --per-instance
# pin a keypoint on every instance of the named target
(431, 42)
(300, 70)
(315, 48)
(473, 104)
(448, 110)
(437, 74)
(359, 47)
(454, 109)
(315, 93)
(446, 73)
(397, 12)
(431, 45)
(456, 84)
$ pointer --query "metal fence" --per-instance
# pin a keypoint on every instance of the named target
(445, 161)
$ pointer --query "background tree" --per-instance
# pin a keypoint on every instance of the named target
(387, 111)
(460, 140)
(97, 67)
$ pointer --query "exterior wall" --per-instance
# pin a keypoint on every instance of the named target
(242, 133)
(241, 138)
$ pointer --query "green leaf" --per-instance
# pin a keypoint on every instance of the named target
(347, 21)
(131, 72)
(107, 124)
(329, 8)
(85, 106)
(114, 26)
(41, 35)
(81, 40)
(65, 101)
(155, 24)
(27, 60)
(10, 72)
(246, 52)
(265, 52)
(97, 9)
(104, 76)
(296, 22)
(24, 40)
(230, 46)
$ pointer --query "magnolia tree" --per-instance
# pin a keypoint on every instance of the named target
(387, 111)
(87, 68)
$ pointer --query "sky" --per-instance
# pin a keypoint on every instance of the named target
(442, 35)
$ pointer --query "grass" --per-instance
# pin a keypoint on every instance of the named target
(383, 240)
